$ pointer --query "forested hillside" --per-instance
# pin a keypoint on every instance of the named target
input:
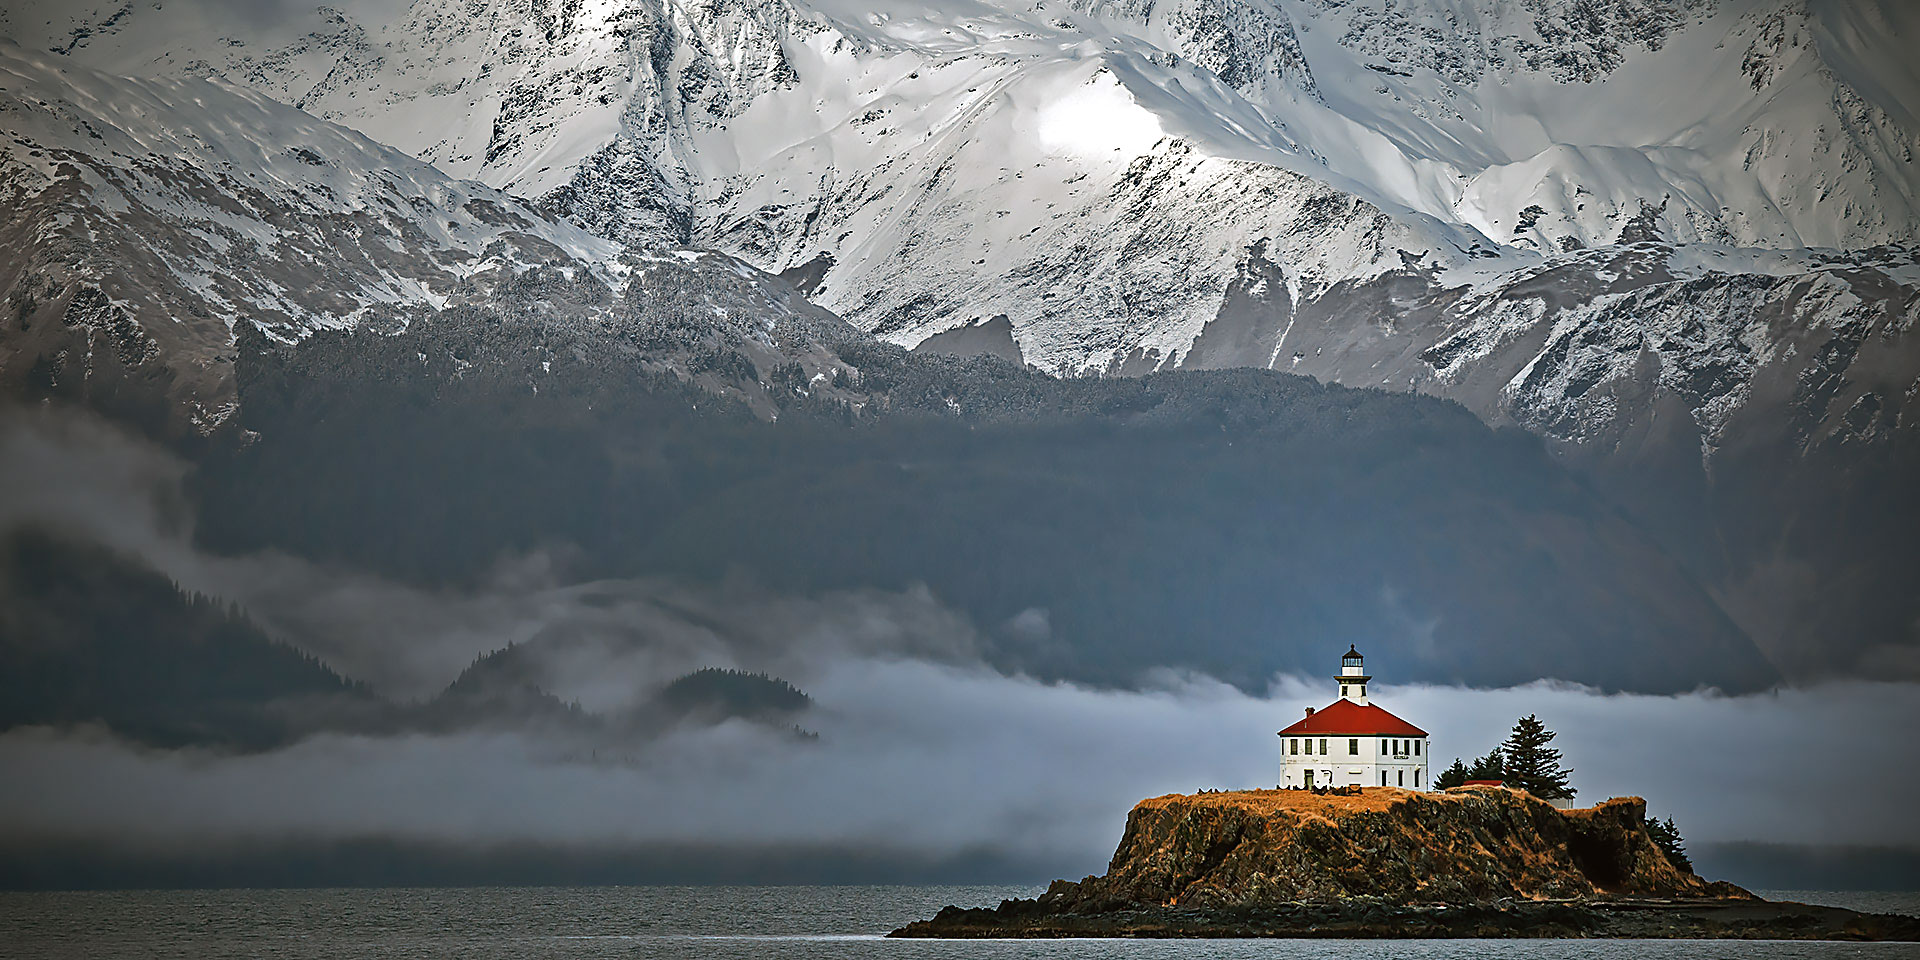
(1228, 521)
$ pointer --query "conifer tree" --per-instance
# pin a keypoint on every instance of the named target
(1489, 767)
(1531, 765)
(1666, 836)
(1452, 776)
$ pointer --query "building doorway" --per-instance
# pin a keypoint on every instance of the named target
(1309, 779)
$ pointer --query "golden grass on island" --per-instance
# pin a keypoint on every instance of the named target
(1306, 802)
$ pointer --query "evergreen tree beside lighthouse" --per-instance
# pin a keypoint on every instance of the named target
(1527, 763)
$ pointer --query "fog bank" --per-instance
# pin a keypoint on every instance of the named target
(938, 760)
(924, 753)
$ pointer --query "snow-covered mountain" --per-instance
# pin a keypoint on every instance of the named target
(1115, 178)
(1675, 237)
(143, 219)
(1761, 122)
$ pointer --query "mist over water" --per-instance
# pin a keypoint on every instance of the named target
(940, 761)
(926, 754)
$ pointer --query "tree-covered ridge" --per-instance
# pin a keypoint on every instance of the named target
(87, 636)
(720, 692)
(507, 689)
(499, 690)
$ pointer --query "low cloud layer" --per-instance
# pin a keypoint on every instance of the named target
(940, 760)
(607, 642)
(923, 750)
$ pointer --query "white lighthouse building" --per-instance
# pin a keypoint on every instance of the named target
(1351, 742)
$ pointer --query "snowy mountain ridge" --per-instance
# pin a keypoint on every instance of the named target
(543, 87)
(161, 212)
(143, 220)
(1675, 238)
(894, 145)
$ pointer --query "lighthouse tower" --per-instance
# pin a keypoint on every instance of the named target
(1353, 676)
(1352, 742)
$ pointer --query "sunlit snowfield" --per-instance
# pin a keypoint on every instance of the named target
(718, 922)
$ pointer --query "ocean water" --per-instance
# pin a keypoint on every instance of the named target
(717, 922)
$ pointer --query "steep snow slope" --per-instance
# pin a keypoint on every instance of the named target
(141, 220)
(1558, 120)
(1097, 171)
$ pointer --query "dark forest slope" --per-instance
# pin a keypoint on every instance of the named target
(1238, 522)
(90, 637)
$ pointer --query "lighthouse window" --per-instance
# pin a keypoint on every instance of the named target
(1383, 748)
(1294, 745)
(1353, 747)
(1416, 752)
(1416, 778)
(1343, 689)
(1383, 778)
(1403, 778)
(1323, 746)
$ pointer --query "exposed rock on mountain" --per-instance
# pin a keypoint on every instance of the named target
(761, 126)
(987, 144)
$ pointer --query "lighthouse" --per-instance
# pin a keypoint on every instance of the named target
(1354, 742)
(1353, 677)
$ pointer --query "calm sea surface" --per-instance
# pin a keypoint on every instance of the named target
(721, 922)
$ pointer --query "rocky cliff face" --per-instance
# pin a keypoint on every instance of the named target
(1474, 862)
(1469, 844)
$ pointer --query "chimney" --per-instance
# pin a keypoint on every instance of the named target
(1309, 711)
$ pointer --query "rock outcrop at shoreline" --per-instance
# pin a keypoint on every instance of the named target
(1402, 846)
(1386, 862)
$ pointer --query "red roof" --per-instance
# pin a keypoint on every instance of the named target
(1346, 718)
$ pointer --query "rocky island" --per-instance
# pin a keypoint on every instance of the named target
(1476, 861)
